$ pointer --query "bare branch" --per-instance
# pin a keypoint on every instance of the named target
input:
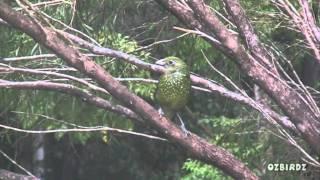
(35, 57)
(39, 72)
(247, 32)
(74, 91)
(304, 22)
(86, 129)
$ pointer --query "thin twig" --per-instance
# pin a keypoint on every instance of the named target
(89, 129)
(17, 164)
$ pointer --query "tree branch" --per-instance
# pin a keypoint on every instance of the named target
(8, 175)
(74, 91)
(247, 32)
(83, 129)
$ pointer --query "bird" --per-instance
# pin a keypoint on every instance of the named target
(174, 87)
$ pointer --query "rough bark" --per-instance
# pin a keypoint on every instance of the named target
(247, 33)
(8, 175)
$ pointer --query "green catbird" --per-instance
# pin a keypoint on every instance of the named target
(173, 89)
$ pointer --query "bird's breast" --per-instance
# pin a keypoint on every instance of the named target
(173, 90)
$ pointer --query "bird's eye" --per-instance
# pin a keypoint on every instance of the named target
(171, 62)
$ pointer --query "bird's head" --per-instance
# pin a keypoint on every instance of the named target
(173, 64)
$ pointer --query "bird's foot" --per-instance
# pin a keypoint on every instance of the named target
(160, 111)
(183, 127)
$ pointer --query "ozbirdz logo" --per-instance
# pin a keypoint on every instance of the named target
(287, 167)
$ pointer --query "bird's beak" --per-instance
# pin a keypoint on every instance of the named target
(161, 62)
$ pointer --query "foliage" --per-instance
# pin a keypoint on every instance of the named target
(200, 170)
(243, 144)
